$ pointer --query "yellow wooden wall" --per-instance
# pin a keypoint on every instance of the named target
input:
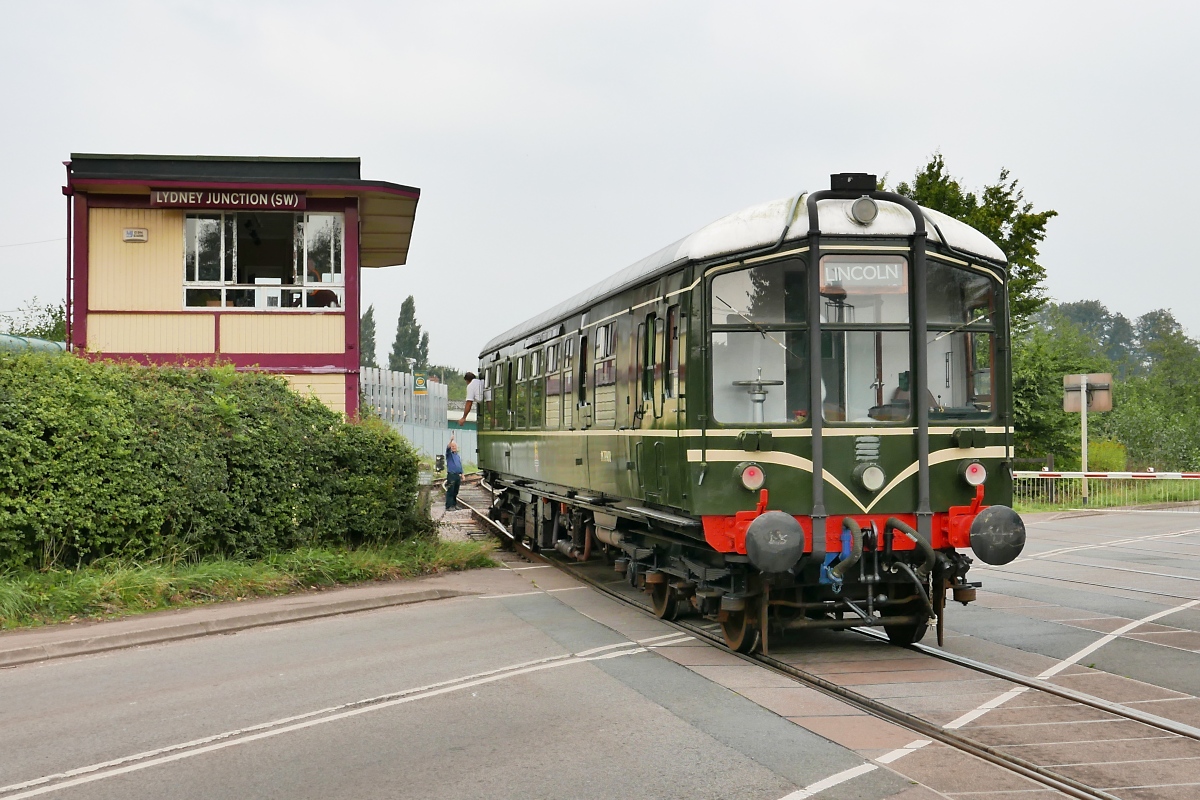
(151, 333)
(148, 277)
(329, 389)
(135, 277)
(280, 332)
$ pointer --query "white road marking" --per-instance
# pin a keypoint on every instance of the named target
(1127, 569)
(901, 752)
(996, 702)
(1121, 631)
(672, 642)
(221, 741)
(1111, 543)
(670, 635)
(536, 566)
(568, 589)
(830, 782)
(501, 596)
(605, 647)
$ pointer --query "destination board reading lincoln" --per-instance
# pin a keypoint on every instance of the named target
(249, 261)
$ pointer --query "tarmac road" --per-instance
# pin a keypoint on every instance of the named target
(620, 721)
(1085, 575)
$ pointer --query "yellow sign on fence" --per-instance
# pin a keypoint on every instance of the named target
(420, 383)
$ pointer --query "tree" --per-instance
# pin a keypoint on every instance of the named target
(1001, 213)
(1046, 353)
(410, 343)
(366, 339)
(1112, 332)
(38, 320)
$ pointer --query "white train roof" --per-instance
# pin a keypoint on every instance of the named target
(759, 226)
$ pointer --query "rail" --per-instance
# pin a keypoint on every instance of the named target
(1043, 775)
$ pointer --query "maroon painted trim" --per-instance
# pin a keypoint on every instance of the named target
(302, 312)
(317, 363)
(349, 189)
(70, 230)
(217, 333)
(314, 204)
(352, 303)
(79, 303)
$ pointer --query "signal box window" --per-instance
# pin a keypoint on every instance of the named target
(264, 261)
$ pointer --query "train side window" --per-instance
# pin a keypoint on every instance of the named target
(606, 370)
(672, 355)
(568, 357)
(650, 348)
(552, 359)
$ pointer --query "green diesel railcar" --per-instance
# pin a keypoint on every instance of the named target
(665, 417)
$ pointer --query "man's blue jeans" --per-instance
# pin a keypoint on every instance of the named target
(453, 480)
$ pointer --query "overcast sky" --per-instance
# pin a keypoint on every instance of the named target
(555, 143)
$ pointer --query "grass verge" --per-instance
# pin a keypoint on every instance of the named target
(114, 588)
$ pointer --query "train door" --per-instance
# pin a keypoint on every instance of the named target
(649, 453)
(568, 384)
(520, 395)
(503, 419)
(537, 398)
(552, 387)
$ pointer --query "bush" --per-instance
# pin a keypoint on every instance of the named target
(103, 459)
(1106, 456)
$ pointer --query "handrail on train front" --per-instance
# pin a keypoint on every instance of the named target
(920, 368)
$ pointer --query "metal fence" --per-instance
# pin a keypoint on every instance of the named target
(422, 419)
(1046, 491)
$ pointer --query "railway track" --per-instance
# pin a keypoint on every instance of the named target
(602, 578)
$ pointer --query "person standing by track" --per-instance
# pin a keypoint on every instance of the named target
(474, 396)
(454, 472)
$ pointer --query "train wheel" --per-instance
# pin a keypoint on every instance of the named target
(663, 600)
(741, 629)
(911, 632)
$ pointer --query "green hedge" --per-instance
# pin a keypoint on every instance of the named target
(103, 459)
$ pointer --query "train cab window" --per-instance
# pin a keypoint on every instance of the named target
(759, 344)
(958, 296)
(961, 342)
(771, 294)
(864, 290)
(865, 376)
(865, 373)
